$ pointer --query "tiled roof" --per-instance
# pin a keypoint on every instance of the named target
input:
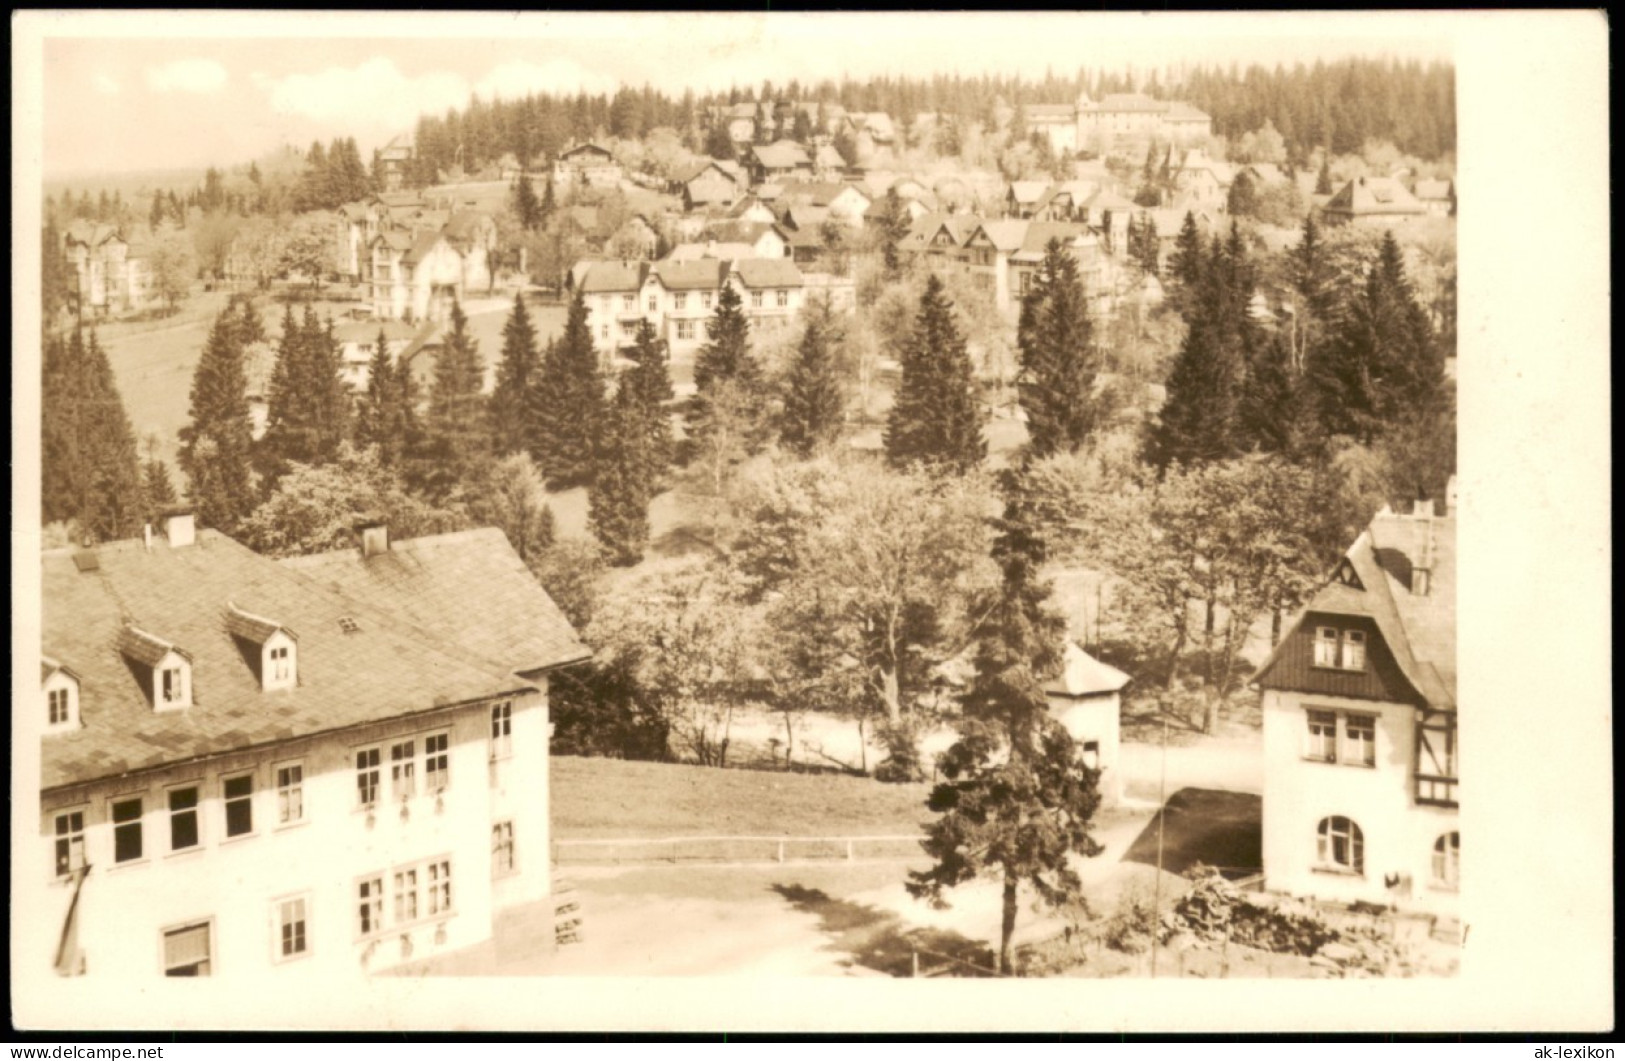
(468, 588)
(805, 215)
(1008, 235)
(612, 276)
(1109, 200)
(1038, 234)
(1420, 630)
(585, 149)
(693, 275)
(768, 272)
(785, 154)
(1374, 195)
(1028, 191)
(826, 157)
(465, 224)
(90, 233)
(142, 647)
(693, 252)
(388, 668)
(1084, 675)
(421, 247)
(251, 627)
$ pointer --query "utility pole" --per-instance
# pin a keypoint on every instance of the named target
(1162, 817)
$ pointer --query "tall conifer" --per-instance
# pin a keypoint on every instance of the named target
(513, 427)
(936, 419)
(813, 403)
(1058, 359)
(217, 444)
(570, 402)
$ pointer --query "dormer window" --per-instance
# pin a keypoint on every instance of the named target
(270, 649)
(164, 670)
(1337, 649)
(61, 688)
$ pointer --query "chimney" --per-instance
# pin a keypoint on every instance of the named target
(374, 534)
(180, 527)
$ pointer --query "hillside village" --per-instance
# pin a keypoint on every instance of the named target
(814, 432)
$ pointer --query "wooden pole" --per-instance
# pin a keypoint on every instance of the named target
(1162, 817)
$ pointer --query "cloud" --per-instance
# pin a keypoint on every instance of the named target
(106, 85)
(187, 75)
(514, 80)
(375, 91)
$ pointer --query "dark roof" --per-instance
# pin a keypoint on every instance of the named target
(251, 627)
(768, 272)
(468, 588)
(1419, 630)
(613, 277)
(143, 602)
(703, 274)
(586, 149)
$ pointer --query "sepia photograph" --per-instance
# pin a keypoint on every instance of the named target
(640, 520)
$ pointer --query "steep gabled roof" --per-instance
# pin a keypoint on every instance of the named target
(1084, 675)
(95, 621)
(703, 274)
(612, 277)
(758, 273)
(1007, 235)
(468, 588)
(819, 193)
(251, 627)
(1038, 234)
(1028, 192)
(1419, 629)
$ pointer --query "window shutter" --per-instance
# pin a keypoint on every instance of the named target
(187, 946)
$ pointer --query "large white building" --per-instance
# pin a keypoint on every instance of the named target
(1359, 702)
(1118, 120)
(264, 770)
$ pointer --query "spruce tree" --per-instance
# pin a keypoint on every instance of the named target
(650, 383)
(157, 489)
(381, 414)
(547, 198)
(618, 498)
(569, 402)
(1058, 359)
(457, 432)
(726, 360)
(307, 408)
(513, 428)
(935, 419)
(90, 470)
(217, 444)
(1186, 263)
(813, 404)
(526, 207)
(1017, 800)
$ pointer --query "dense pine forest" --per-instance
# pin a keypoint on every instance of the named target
(1339, 105)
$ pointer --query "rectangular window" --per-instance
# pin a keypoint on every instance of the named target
(406, 896)
(755, 300)
(628, 330)
(603, 332)
(439, 888)
(502, 861)
(436, 762)
(172, 690)
(127, 830)
(1354, 650)
(402, 769)
(627, 302)
(291, 929)
(1091, 754)
(366, 776)
(679, 301)
(1360, 740)
(290, 793)
(239, 799)
(784, 299)
(370, 905)
(186, 951)
(685, 329)
(70, 842)
(1325, 647)
(183, 830)
(502, 730)
(705, 300)
(59, 707)
(279, 663)
(654, 303)
(1322, 742)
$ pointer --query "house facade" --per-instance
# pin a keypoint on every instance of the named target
(713, 184)
(1359, 702)
(262, 771)
(1086, 698)
(679, 298)
(587, 165)
(1116, 121)
(391, 162)
(1438, 196)
(358, 341)
(417, 277)
(110, 276)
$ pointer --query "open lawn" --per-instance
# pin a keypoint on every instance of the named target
(607, 798)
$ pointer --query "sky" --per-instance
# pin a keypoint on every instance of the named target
(165, 91)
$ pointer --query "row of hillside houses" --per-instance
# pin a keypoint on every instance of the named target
(111, 274)
(318, 767)
(755, 122)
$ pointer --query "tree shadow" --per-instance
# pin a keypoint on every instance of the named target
(877, 939)
(1210, 826)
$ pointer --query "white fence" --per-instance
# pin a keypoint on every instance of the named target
(735, 849)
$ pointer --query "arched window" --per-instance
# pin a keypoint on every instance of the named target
(1341, 845)
(1447, 860)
